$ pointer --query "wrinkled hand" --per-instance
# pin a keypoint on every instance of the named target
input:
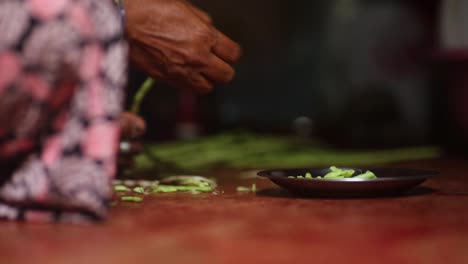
(176, 43)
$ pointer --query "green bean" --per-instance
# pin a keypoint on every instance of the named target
(139, 189)
(175, 188)
(134, 199)
(336, 174)
(247, 189)
(121, 188)
(243, 189)
(196, 181)
(141, 93)
(165, 189)
(339, 173)
(368, 175)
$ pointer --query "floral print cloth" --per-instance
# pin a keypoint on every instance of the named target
(62, 72)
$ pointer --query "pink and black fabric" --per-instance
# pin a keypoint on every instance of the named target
(62, 73)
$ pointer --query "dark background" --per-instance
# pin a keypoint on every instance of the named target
(351, 73)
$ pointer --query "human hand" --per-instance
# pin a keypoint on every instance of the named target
(131, 125)
(176, 43)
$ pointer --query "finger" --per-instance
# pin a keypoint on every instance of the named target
(227, 49)
(218, 71)
(132, 125)
(201, 83)
(138, 126)
(201, 14)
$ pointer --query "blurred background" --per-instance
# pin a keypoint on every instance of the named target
(349, 73)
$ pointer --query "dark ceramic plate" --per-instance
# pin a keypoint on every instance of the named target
(390, 181)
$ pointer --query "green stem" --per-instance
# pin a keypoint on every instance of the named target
(140, 95)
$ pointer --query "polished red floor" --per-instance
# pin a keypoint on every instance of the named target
(269, 227)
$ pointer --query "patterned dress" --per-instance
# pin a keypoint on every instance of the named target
(62, 71)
